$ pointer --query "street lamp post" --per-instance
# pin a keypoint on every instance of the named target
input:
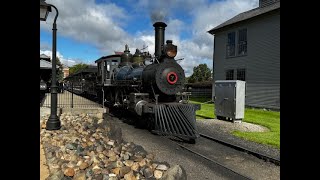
(53, 122)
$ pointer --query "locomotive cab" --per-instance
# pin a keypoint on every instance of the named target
(106, 66)
(110, 65)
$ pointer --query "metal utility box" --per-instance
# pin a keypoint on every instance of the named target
(230, 99)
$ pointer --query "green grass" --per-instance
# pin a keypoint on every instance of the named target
(207, 109)
(269, 119)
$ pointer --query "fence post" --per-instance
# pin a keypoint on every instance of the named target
(71, 94)
(102, 97)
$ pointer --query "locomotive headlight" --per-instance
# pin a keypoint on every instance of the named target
(171, 53)
(170, 49)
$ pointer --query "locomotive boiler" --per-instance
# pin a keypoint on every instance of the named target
(151, 91)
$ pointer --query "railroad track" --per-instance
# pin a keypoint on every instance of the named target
(240, 148)
(234, 171)
(259, 155)
(239, 175)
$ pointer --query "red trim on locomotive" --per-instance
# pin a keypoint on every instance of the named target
(175, 77)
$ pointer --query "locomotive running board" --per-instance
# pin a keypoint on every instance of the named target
(175, 119)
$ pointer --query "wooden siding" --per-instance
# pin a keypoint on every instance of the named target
(262, 62)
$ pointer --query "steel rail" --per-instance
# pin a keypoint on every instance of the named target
(213, 161)
(259, 155)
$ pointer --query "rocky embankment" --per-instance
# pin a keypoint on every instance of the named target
(90, 148)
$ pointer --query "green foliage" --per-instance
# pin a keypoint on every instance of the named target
(269, 119)
(187, 79)
(76, 68)
(201, 73)
(202, 84)
(60, 71)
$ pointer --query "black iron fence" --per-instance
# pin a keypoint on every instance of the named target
(200, 92)
(72, 96)
(75, 95)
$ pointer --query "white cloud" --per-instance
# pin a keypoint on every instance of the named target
(199, 48)
(45, 46)
(210, 16)
(103, 25)
(85, 21)
(66, 61)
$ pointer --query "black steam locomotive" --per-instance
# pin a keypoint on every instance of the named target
(151, 91)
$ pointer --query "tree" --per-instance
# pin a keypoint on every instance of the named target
(76, 68)
(59, 74)
(60, 70)
(201, 73)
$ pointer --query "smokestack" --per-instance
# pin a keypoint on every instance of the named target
(159, 28)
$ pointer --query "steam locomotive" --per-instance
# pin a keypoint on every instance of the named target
(151, 91)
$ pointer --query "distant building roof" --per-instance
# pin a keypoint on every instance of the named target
(118, 53)
(43, 56)
(247, 15)
(105, 57)
(45, 64)
(65, 66)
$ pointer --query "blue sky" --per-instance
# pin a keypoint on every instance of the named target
(89, 29)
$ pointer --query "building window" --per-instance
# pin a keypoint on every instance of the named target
(229, 74)
(241, 74)
(231, 44)
(237, 43)
(99, 68)
(242, 42)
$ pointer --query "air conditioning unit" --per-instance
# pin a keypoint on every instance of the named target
(230, 99)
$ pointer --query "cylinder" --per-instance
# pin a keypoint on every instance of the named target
(159, 28)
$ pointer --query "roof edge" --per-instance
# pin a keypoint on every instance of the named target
(215, 29)
(104, 57)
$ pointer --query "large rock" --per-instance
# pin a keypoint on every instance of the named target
(124, 170)
(130, 176)
(157, 174)
(69, 172)
(58, 175)
(147, 172)
(93, 149)
(175, 173)
(115, 133)
(135, 167)
(83, 165)
(162, 167)
(80, 176)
